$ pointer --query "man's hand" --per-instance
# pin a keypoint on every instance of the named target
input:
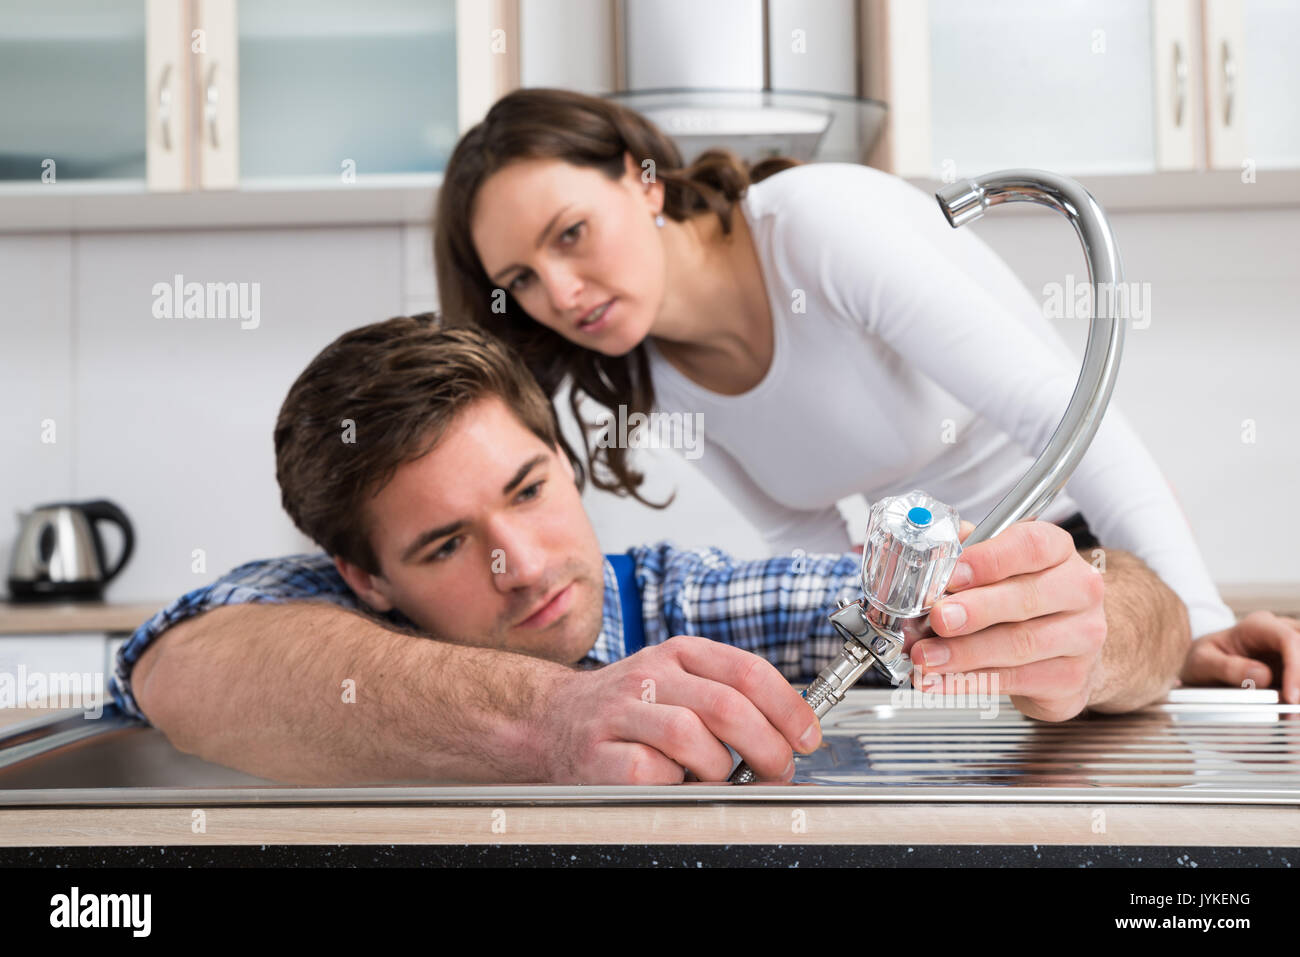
(1031, 614)
(666, 710)
(1262, 647)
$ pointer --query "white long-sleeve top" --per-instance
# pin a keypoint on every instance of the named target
(919, 360)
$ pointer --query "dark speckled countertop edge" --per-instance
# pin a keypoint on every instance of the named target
(658, 855)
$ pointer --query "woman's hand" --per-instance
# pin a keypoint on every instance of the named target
(1262, 648)
(1030, 621)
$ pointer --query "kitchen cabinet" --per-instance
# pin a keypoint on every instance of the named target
(1103, 87)
(38, 663)
(1252, 79)
(325, 93)
(177, 113)
(158, 96)
(296, 92)
(66, 639)
(72, 80)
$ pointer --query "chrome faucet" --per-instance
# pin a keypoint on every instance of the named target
(912, 540)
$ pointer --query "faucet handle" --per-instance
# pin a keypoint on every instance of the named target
(913, 542)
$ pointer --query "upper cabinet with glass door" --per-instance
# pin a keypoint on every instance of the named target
(1085, 87)
(320, 92)
(333, 89)
(72, 92)
(1102, 86)
(186, 95)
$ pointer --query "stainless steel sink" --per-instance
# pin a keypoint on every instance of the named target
(68, 751)
(1219, 746)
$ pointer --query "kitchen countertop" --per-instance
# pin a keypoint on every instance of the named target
(39, 618)
(651, 855)
(1202, 779)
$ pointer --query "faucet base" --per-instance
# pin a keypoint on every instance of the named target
(874, 638)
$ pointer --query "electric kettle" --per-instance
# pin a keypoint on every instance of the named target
(59, 554)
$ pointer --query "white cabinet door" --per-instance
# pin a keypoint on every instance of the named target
(1253, 79)
(168, 97)
(1177, 94)
(1271, 69)
(1095, 87)
(215, 53)
(1225, 97)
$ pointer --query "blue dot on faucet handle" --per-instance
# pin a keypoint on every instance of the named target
(918, 516)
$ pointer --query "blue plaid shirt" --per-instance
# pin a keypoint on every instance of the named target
(775, 607)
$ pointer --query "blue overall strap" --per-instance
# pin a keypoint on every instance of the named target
(629, 597)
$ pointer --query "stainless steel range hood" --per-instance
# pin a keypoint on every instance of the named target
(760, 77)
(758, 124)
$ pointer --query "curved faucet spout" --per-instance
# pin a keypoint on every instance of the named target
(964, 202)
(874, 635)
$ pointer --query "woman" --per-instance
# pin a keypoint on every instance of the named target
(837, 335)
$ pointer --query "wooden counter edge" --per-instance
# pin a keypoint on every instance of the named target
(18, 618)
(705, 823)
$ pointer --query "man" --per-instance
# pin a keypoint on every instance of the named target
(424, 461)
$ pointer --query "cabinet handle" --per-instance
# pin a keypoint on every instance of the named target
(165, 106)
(210, 97)
(1229, 82)
(1180, 83)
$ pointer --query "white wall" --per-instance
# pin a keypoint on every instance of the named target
(172, 418)
(1222, 347)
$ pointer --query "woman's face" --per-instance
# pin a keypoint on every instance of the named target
(565, 241)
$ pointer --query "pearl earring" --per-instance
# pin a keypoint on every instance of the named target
(659, 220)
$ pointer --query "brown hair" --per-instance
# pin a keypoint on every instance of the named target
(397, 385)
(584, 131)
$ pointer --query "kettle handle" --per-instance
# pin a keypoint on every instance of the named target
(102, 510)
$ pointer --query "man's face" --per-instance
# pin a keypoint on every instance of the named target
(484, 541)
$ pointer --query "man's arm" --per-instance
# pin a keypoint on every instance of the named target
(1147, 635)
(264, 688)
(261, 688)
